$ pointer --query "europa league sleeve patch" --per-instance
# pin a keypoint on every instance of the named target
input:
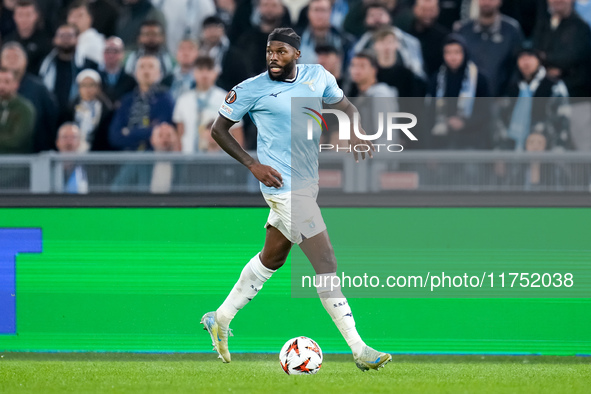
(231, 96)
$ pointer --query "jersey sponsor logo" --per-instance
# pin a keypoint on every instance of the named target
(231, 96)
(227, 109)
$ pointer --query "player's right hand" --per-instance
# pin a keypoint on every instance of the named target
(267, 175)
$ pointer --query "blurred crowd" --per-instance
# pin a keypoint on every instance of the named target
(137, 75)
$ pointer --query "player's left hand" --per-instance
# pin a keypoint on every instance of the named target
(358, 141)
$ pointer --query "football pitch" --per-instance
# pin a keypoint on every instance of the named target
(261, 373)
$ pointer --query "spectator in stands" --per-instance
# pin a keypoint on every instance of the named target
(248, 15)
(90, 43)
(7, 25)
(225, 11)
(91, 112)
(254, 41)
(133, 14)
(30, 34)
(184, 19)
(460, 120)
(141, 110)
(399, 11)
(151, 41)
(377, 17)
(537, 104)
(213, 41)
(332, 60)
(68, 138)
(340, 9)
(17, 117)
(116, 82)
(492, 40)
(164, 139)
(320, 32)
(69, 141)
(229, 59)
(14, 57)
(535, 175)
(60, 67)
(212, 145)
(429, 32)
(563, 41)
(195, 108)
(105, 14)
(364, 71)
(391, 70)
(182, 79)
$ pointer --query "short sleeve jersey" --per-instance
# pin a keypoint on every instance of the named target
(269, 103)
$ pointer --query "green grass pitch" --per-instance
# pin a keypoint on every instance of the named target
(261, 373)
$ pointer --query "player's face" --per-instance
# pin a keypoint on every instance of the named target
(281, 60)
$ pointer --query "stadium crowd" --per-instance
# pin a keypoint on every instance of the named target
(137, 75)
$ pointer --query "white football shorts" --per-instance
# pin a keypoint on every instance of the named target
(301, 206)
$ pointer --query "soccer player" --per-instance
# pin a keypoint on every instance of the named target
(267, 98)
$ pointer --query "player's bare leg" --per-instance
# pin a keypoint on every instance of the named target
(258, 270)
(320, 252)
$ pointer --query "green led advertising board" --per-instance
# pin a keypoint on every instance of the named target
(139, 279)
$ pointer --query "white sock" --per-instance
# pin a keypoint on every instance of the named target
(253, 276)
(338, 308)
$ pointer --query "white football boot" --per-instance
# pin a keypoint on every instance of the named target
(219, 335)
(371, 359)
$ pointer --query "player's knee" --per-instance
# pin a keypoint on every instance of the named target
(273, 261)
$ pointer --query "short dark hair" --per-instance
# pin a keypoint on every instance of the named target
(213, 21)
(327, 49)
(288, 31)
(375, 4)
(152, 23)
(383, 33)
(79, 4)
(27, 3)
(69, 26)
(369, 55)
(205, 62)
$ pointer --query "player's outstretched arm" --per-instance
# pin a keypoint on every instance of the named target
(347, 107)
(220, 132)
